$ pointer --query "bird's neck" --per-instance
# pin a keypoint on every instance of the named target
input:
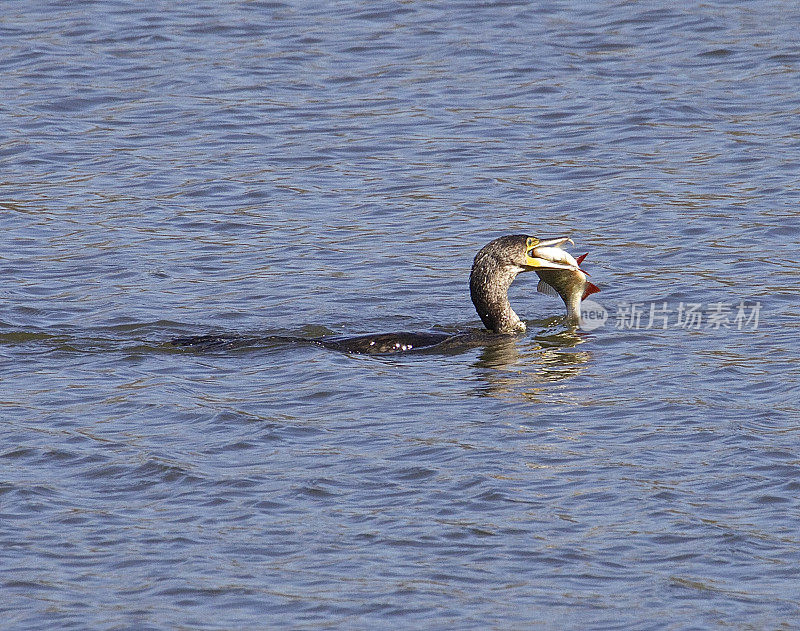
(488, 285)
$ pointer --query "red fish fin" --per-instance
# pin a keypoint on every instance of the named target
(591, 288)
(581, 257)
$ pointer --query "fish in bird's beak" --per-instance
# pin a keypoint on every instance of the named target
(548, 254)
(571, 286)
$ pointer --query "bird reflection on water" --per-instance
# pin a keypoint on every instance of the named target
(512, 368)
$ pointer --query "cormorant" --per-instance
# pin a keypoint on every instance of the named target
(495, 267)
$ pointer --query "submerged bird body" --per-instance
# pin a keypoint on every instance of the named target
(495, 267)
(385, 343)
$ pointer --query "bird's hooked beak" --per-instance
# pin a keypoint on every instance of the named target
(535, 260)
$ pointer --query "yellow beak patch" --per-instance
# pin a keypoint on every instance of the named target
(532, 261)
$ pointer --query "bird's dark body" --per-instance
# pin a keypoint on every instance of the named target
(384, 343)
(379, 344)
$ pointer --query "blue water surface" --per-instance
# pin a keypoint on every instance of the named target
(305, 169)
